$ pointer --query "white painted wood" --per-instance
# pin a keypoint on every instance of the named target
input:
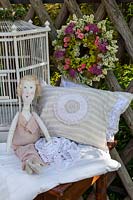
(3, 136)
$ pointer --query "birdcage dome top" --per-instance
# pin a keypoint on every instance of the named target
(8, 28)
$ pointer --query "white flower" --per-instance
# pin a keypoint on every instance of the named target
(63, 28)
(96, 78)
(109, 35)
(100, 55)
(114, 41)
(101, 76)
(104, 71)
(88, 18)
(91, 18)
(102, 25)
(59, 48)
(105, 62)
(75, 17)
(59, 32)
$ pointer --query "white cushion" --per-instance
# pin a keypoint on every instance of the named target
(17, 184)
(81, 114)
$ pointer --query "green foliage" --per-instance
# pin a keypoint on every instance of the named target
(54, 78)
(53, 10)
(16, 13)
(130, 10)
(127, 10)
(36, 21)
(130, 167)
(113, 196)
(6, 14)
(85, 9)
(124, 74)
(123, 136)
(19, 13)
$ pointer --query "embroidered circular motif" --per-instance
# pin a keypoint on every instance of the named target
(71, 108)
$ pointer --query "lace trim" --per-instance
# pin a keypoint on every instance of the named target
(58, 151)
(114, 117)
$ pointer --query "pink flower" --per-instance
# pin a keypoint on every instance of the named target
(86, 28)
(67, 61)
(66, 67)
(83, 66)
(78, 31)
(65, 44)
(79, 69)
(97, 41)
(101, 44)
(66, 39)
(80, 36)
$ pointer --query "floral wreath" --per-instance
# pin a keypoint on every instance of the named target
(84, 50)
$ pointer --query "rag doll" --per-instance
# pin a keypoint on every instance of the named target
(27, 127)
(25, 135)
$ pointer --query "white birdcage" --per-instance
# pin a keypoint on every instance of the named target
(23, 50)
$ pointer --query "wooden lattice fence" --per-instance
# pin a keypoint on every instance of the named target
(104, 7)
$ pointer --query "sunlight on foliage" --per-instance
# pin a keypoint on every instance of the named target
(124, 74)
(54, 78)
(53, 10)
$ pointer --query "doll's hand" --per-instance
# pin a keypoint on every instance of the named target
(33, 166)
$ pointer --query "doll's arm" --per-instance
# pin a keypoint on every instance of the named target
(42, 126)
(11, 132)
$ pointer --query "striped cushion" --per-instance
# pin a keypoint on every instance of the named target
(79, 114)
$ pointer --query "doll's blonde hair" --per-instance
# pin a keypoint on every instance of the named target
(29, 78)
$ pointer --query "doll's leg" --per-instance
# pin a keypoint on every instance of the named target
(31, 161)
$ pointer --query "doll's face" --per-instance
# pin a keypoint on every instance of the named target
(28, 91)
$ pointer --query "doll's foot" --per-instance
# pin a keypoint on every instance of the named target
(33, 167)
(28, 169)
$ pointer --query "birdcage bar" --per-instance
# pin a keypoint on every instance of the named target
(7, 39)
(8, 100)
(9, 81)
(47, 55)
(30, 32)
(32, 66)
(30, 37)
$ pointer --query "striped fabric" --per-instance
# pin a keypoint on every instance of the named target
(89, 128)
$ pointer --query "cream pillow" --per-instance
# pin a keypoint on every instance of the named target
(80, 114)
(115, 112)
